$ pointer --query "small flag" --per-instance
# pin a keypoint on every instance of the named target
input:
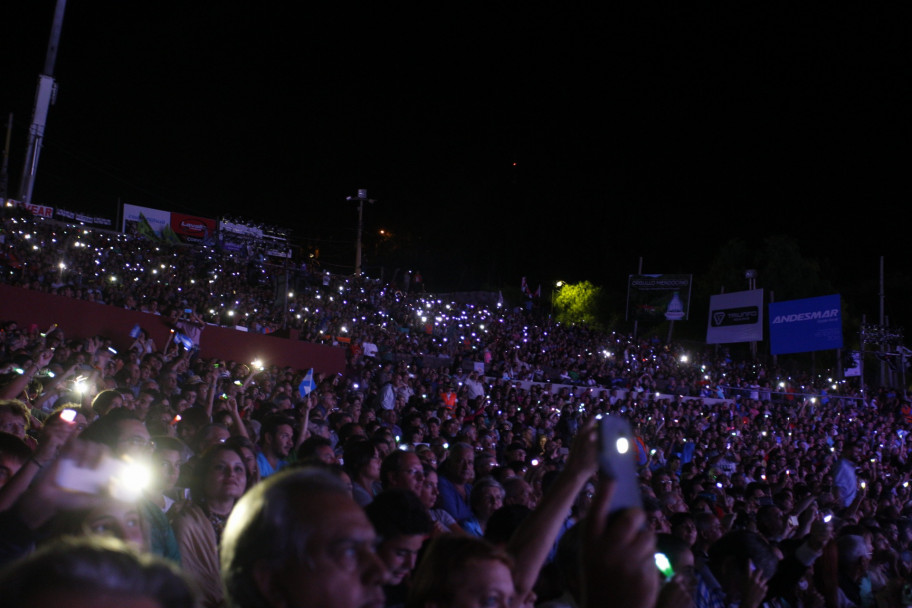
(184, 340)
(538, 291)
(525, 288)
(307, 384)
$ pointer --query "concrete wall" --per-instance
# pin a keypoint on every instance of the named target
(81, 319)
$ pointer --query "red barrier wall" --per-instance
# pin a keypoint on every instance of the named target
(81, 319)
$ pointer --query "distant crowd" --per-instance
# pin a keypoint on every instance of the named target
(470, 481)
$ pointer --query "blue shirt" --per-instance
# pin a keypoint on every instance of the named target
(267, 469)
(452, 502)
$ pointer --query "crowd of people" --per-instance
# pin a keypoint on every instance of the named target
(455, 462)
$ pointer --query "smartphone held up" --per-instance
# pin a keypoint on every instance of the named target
(617, 460)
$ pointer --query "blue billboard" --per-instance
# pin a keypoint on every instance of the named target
(799, 326)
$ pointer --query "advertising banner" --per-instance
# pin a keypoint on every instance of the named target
(735, 317)
(165, 226)
(799, 326)
(657, 297)
(144, 221)
(192, 228)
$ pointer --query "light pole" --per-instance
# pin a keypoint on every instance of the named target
(361, 197)
(44, 97)
(557, 287)
(751, 276)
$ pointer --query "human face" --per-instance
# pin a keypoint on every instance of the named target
(215, 435)
(371, 470)
(226, 478)
(118, 519)
(409, 475)
(141, 405)
(399, 554)
(686, 530)
(491, 500)
(326, 454)
(250, 463)
(169, 465)
(9, 466)
(283, 440)
(484, 583)
(463, 464)
(13, 424)
(133, 439)
(429, 490)
(343, 569)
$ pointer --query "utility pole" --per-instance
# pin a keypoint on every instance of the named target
(44, 96)
(361, 197)
(4, 167)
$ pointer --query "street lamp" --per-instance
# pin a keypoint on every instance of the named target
(557, 288)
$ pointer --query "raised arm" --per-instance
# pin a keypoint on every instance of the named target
(535, 537)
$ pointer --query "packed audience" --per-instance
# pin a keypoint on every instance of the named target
(455, 462)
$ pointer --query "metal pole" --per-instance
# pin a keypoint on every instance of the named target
(358, 243)
(883, 345)
(44, 95)
(636, 322)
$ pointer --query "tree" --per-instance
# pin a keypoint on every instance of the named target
(579, 303)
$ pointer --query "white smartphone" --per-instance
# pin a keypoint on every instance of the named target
(617, 460)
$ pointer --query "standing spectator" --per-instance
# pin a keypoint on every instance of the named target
(845, 479)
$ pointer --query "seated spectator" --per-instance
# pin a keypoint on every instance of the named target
(318, 448)
(276, 442)
(486, 497)
(299, 539)
(219, 480)
(456, 475)
(442, 520)
(97, 572)
(126, 436)
(402, 524)
(361, 461)
(167, 458)
(14, 452)
(402, 469)
(462, 571)
(247, 449)
(740, 564)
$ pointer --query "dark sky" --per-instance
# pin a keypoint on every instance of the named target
(498, 142)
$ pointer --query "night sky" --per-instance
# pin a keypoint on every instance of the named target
(500, 142)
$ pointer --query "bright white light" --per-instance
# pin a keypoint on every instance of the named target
(622, 445)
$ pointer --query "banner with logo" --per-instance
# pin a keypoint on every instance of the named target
(735, 317)
(658, 297)
(165, 226)
(799, 326)
(192, 228)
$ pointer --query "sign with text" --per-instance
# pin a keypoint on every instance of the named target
(657, 297)
(799, 326)
(735, 317)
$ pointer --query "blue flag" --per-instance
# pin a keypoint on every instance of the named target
(183, 340)
(307, 384)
